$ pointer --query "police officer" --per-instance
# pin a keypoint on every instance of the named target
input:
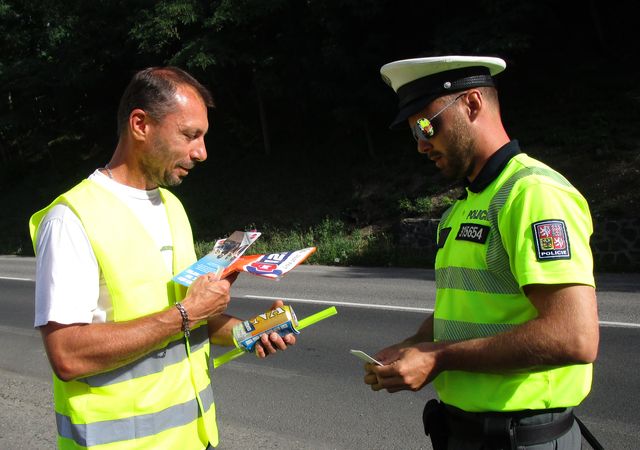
(511, 342)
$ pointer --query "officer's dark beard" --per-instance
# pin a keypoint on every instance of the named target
(460, 155)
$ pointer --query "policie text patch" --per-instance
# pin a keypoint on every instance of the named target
(473, 232)
(552, 241)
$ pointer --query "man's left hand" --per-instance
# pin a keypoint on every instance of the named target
(273, 342)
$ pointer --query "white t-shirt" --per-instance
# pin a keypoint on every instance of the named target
(70, 287)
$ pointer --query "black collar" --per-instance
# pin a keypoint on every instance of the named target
(494, 166)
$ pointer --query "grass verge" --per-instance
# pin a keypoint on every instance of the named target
(336, 244)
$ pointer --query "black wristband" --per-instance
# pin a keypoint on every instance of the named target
(185, 319)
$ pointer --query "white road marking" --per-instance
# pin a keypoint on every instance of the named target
(603, 323)
(606, 323)
(348, 304)
(16, 279)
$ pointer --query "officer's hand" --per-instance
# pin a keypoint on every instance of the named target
(391, 354)
(385, 356)
(273, 342)
(412, 370)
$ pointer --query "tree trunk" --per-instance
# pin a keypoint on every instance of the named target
(595, 19)
(3, 154)
(367, 133)
(263, 118)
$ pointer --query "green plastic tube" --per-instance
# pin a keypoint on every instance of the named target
(303, 323)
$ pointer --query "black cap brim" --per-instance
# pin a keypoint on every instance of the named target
(408, 110)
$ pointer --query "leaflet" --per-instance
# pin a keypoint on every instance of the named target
(273, 265)
(225, 252)
(227, 257)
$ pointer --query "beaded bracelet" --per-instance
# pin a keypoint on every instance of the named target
(185, 319)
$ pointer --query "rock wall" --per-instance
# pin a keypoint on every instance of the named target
(615, 242)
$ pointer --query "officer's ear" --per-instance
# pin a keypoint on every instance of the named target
(474, 102)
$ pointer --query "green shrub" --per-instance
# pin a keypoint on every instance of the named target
(428, 206)
(336, 245)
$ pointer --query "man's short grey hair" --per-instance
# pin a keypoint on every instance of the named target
(153, 90)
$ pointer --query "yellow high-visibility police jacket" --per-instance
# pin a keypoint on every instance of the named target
(163, 400)
(520, 223)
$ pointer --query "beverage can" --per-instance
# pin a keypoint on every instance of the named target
(281, 320)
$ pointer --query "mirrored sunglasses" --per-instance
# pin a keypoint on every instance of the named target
(424, 129)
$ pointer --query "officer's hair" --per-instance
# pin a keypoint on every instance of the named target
(490, 93)
(153, 91)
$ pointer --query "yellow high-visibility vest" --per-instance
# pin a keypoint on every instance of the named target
(490, 246)
(164, 400)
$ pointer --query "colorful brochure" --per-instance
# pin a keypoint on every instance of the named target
(273, 265)
(227, 257)
(225, 252)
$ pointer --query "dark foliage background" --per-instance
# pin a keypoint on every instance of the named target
(300, 133)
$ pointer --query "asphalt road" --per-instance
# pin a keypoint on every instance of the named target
(312, 396)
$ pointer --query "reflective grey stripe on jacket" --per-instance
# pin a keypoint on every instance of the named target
(497, 278)
(155, 362)
(497, 258)
(457, 330)
(135, 427)
(476, 280)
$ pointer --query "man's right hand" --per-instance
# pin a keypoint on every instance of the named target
(207, 298)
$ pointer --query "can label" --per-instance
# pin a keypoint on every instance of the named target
(281, 320)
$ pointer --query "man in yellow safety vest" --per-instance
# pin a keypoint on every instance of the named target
(129, 348)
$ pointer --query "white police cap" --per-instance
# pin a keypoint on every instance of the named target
(419, 81)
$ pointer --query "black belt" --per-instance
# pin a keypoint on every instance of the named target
(505, 427)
